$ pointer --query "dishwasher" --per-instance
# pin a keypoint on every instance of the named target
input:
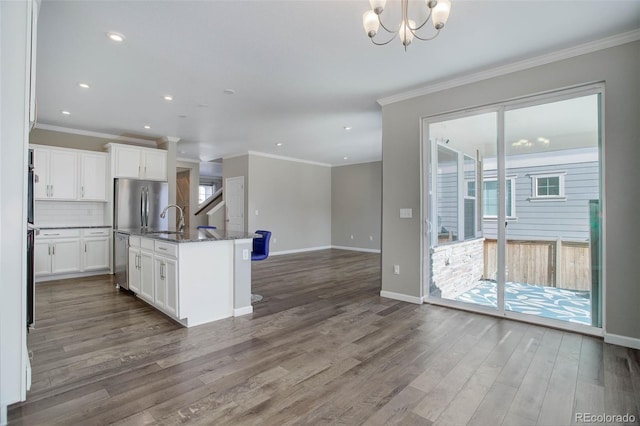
(121, 259)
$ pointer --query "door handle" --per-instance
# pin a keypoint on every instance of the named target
(141, 208)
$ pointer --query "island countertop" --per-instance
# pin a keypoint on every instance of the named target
(191, 235)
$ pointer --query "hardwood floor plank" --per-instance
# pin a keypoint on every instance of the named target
(321, 348)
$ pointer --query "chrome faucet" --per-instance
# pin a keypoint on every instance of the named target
(180, 221)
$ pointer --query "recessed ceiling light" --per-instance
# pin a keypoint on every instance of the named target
(182, 151)
(229, 91)
(279, 144)
(147, 127)
(84, 85)
(168, 97)
(117, 37)
(345, 158)
(347, 127)
(65, 112)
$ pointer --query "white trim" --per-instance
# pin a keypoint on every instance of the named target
(45, 278)
(108, 136)
(551, 158)
(245, 310)
(187, 160)
(616, 339)
(356, 163)
(366, 250)
(230, 156)
(402, 297)
(536, 61)
(280, 157)
(302, 250)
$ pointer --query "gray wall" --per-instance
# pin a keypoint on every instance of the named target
(293, 200)
(619, 67)
(234, 167)
(356, 205)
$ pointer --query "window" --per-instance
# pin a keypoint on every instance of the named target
(204, 192)
(471, 189)
(548, 186)
(490, 198)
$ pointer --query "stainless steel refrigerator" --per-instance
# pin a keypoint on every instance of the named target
(137, 204)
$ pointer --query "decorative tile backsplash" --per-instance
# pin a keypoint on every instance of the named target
(69, 213)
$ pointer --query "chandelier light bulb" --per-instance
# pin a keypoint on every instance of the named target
(405, 33)
(370, 22)
(377, 6)
(441, 13)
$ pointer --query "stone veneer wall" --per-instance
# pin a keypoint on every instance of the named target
(456, 268)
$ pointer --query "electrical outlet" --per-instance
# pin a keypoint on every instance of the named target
(352, 236)
(406, 213)
(245, 254)
(275, 240)
(396, 269)
(256, 212)
(370, 237)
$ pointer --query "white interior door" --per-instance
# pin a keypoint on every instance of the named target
(234, 198)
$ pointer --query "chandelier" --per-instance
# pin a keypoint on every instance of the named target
(438, 12)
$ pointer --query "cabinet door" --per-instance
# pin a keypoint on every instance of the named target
(127, 162)
(146, 275)
(134, 270)
(96, 253)
(63, 177)
(155, 165)
(65, 255)
(41, 170)
(171, 279)
(93, 177)
(42, 258)
(160, 281)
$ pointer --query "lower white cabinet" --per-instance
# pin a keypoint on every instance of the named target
(166, 284)
(71, 251)
(153, 273)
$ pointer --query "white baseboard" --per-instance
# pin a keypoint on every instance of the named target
(366, 250)
(402, 297)
(68, 276)
(246, 310)
(616, 339)
(302, 250)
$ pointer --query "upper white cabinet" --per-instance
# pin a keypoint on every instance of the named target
(93, 176)
(138, 163)
(57, 172)
(70, 174)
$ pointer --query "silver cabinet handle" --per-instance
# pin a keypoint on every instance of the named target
(49, 251)
(85, 247)
(162, 248)
(52, 190)
(82, 191)
(53, 249)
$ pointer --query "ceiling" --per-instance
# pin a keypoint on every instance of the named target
(301, 70)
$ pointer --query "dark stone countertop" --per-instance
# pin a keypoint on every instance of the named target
(191, 235)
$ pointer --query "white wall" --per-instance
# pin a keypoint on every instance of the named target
(293, 200)
(619, 68)
(14, 16)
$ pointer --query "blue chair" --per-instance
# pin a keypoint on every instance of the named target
(261, 245)
(206, 227)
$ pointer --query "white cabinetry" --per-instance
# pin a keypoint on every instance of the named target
(71, 251)
(95, 244)
(93, 176)
(70, 174)
(57, 252)
(141, 274)
(166, 278)
(57, 172)
(138, 163)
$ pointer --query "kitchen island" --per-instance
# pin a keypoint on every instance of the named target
(195, 276)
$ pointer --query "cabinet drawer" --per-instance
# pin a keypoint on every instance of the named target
(166, 249)
(58, 233)
(146, 243)
(134, 241)
(96, 232)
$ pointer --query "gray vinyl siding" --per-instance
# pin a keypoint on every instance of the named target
(448, 202)
(549, 220)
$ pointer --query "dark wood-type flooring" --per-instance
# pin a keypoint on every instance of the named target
(321, 348)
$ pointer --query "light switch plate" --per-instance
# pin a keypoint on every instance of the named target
(406, 213)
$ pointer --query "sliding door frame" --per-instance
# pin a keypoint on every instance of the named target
(500, 108)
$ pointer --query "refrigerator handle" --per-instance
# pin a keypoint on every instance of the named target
(146, 212)
(142, 207)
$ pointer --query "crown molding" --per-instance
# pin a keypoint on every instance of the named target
(96, 134)
(295, 160)
(548, 58)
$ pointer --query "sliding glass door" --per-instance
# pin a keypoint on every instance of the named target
(512, 209)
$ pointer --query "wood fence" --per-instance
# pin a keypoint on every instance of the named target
(561, 264)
